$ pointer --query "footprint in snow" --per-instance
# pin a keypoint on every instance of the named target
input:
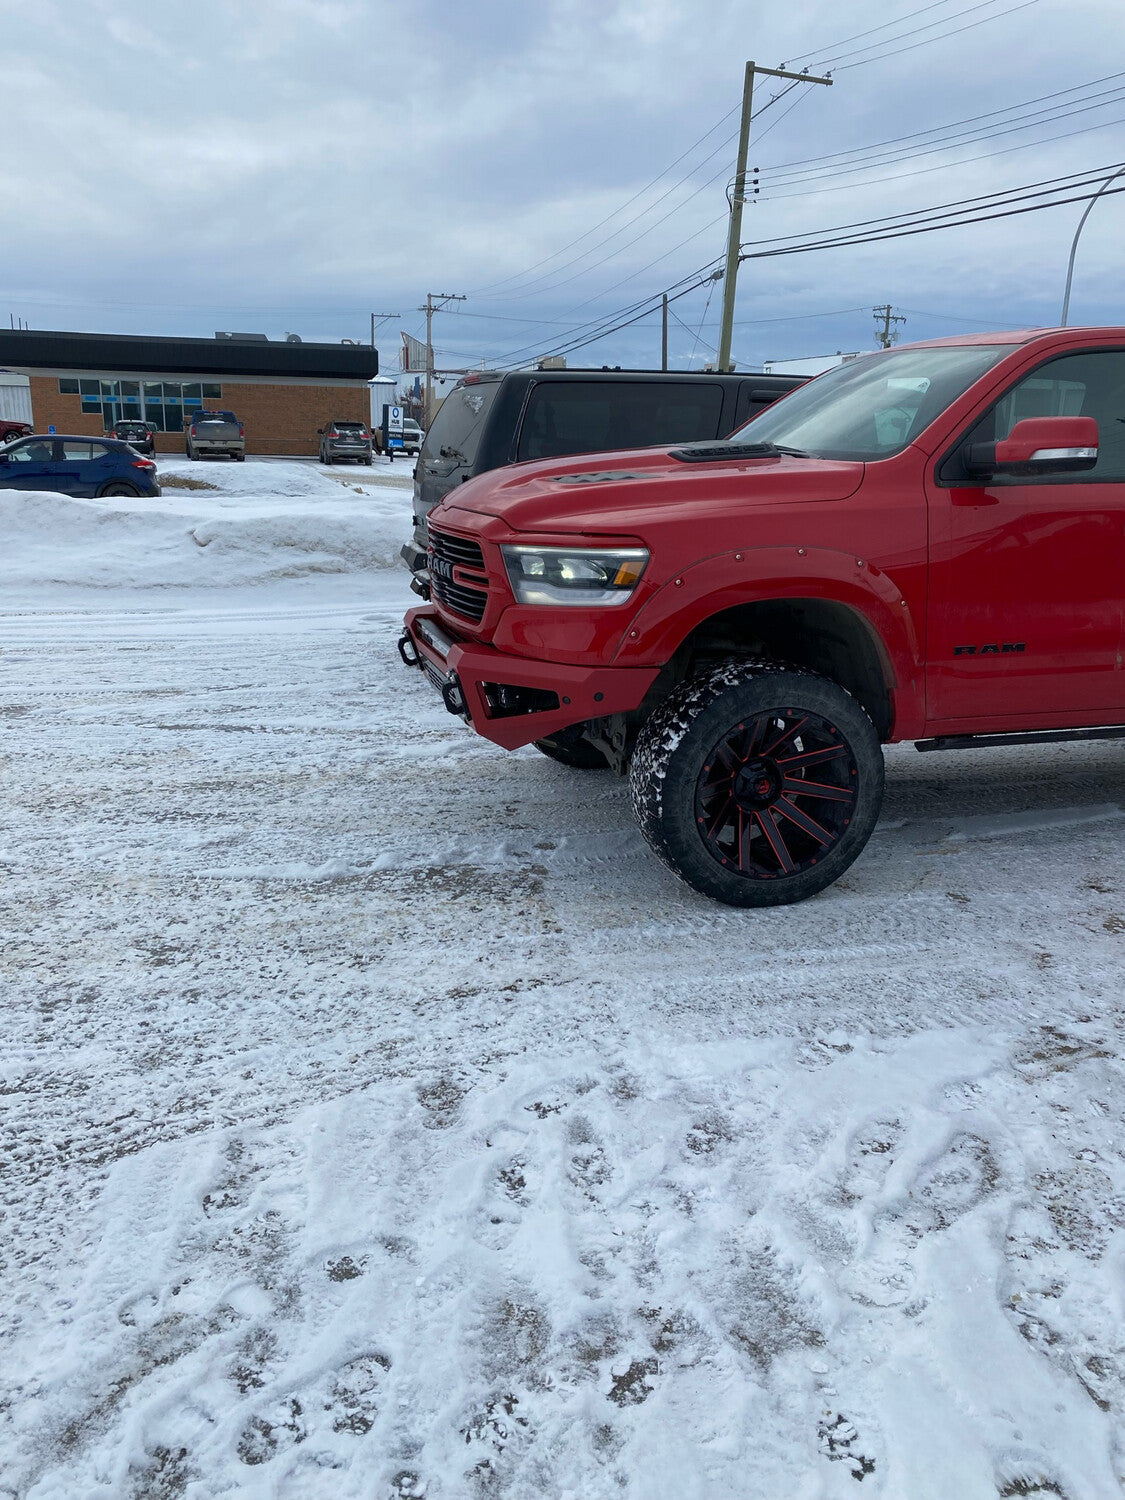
(346, 1400)
(839, 1442)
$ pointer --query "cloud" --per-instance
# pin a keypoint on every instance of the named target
(296, 164)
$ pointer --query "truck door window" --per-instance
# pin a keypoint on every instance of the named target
(580, 416)
(1077, 385)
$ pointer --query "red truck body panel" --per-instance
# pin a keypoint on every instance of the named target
(992, 606)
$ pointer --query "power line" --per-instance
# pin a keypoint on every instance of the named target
(971, 25)
(945, 142)
(835, 156)
(1040, 188)
(886, 26)
(902, 231)
(703, 319)
(826, 59)
(601, 327)
(642, 269)
(533, 288)
(955, 318)
(479, 291)
(856, 170)
(978, 209)
(964, 161)
(537, 287)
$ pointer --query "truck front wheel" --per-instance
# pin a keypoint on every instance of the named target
(756, 783)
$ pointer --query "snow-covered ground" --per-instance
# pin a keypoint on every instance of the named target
(380, 1120)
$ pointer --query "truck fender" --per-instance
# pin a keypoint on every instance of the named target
(759, 574)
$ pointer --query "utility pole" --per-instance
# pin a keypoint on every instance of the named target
(738, 198)
(664, 335)
(435, 301)
(382, 317)
(886, 336)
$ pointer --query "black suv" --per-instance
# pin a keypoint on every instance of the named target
(491, 419)
(138, 435)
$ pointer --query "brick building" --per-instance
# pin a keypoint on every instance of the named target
(281, 392)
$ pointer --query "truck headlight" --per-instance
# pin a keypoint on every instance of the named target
(570, 575)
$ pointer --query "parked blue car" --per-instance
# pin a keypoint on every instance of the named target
(86, 467)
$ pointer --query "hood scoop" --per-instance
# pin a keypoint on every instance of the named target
(600, 476)
(704, 453)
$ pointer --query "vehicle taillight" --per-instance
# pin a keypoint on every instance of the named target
(241, 430)
(143, 463)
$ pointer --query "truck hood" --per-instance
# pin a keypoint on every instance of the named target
(616, 493)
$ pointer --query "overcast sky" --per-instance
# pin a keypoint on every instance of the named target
(295, 165)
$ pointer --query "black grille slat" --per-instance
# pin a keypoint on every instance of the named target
(458, 552)
(456, 549)
(467, 602)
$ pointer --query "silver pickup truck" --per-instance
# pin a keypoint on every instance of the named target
(215, 432)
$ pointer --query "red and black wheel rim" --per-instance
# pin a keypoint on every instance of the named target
(776, 794)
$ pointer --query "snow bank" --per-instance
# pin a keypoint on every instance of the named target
(277, 521)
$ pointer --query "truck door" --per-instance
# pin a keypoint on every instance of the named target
(1027, 575)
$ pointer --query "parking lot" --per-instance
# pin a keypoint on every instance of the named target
(377, 1104)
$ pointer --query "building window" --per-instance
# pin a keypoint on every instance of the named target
(163, 403)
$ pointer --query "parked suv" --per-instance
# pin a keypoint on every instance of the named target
(87, 467)
(212, 433)
(925, 544)
(345, 440)
(138, 435)
(490, 419)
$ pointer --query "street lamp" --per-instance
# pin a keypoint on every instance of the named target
(1074, 246)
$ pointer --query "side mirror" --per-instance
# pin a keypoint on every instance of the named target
(1038, 445)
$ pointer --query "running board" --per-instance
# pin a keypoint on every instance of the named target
(1038, 737)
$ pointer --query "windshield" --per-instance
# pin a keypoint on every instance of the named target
(871, 408)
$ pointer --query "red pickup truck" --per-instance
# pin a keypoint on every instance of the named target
(926, 544)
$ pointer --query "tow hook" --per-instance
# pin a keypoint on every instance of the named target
(454, 698)
(408, 651)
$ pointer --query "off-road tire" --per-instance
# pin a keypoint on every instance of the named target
(678, 746)
(570, 749)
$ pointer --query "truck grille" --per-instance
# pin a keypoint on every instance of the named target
(448, 553)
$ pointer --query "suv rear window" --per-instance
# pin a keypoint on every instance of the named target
(348, 427)
(459, 422)
(564, 417)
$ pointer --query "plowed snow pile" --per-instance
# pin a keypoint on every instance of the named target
(264, 521)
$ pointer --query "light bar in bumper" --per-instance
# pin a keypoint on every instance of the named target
(512, 700)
